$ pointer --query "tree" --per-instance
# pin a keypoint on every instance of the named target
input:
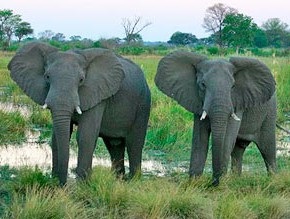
(214, 18)
(46, 35)
(260, 38)
(276, 32)
(60, 37)
(10, 27)
(179, 38)
(4, 16)
(12, 24)
(133, 28)
(238, 30)
(75, 38)
(23, 29)
(111, 43)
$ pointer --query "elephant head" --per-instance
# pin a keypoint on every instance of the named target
(66, 83)
(215, 90)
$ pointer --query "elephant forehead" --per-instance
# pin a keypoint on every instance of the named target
(216, 67)
(63, 58)
(215, 64)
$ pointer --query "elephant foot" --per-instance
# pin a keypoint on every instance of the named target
(83, 174)
(215, 182)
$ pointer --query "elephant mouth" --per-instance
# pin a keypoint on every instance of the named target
(233, 115)
(77, 109)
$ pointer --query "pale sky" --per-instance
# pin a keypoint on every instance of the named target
(96, 19)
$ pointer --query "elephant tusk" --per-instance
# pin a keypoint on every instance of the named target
(235, 117)
(44, 106)
(78, 109)
(204, 114)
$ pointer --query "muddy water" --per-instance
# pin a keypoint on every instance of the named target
(32, 153)
(10, 107)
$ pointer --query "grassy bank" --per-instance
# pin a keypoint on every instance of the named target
(30, 194)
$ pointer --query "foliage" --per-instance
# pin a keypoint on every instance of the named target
(131, 50)
(213, 50)
(23, 30)
(260, 38)
(60, 37)
(214, 18)
(179, 38)
(112, 43)
(12, 24)
(277, 32)
(238, 30)
(46, 35)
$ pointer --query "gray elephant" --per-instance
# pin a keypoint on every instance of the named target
(233, 100)
(105, 95)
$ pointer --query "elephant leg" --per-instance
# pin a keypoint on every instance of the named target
(55, 152)
(116, 148)
(267, 146)
(135, 141)
(87, 135)
(237, 156)
(201, 132)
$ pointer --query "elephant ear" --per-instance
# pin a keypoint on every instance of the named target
(27, 69)
(254, 83)
(176, 77)
(104, 77)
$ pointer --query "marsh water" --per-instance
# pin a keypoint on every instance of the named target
(34, 153)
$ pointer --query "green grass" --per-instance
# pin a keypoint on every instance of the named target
(102, 196)
(31, 193)
(280, 68)
(13, 127)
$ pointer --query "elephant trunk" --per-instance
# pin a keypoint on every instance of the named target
(61, 126)
(220, 156)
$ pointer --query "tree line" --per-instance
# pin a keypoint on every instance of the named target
(227, 27)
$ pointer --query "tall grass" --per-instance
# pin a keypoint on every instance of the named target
(102, 196)
(13, 127)
(280, 68)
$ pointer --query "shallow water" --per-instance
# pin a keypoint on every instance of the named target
(32, 153)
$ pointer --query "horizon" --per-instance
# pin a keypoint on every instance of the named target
(103, 19)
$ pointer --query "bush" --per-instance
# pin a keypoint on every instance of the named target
(213, 50)
(131, 50)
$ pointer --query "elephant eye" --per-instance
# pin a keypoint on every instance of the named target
(81, 80)
(202, 85)
(46, 77)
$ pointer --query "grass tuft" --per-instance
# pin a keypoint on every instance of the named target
(45, 203)
(13, 128)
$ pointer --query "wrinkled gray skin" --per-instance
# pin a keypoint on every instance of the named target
(103, 94)
(238, 97)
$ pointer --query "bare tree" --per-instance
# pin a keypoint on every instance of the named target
(46, 35)
(213, 20)
(133, 28)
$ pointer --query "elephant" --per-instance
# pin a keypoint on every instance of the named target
(100, 92)
(233, 101)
